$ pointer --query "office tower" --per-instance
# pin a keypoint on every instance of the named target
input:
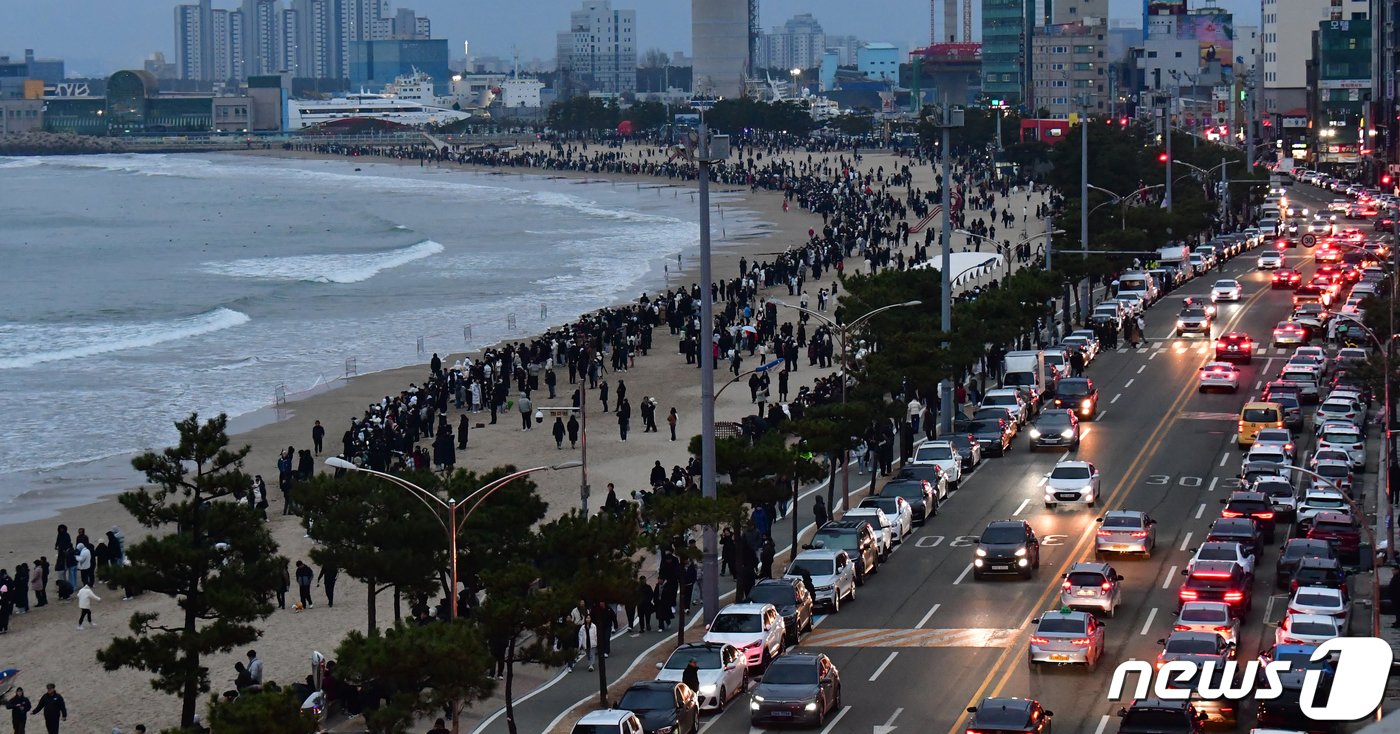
(719, 32)
(599, 51)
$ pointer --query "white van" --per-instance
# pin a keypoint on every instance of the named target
(1140, 283)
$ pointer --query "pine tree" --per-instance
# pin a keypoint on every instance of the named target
(269, 711)
(218, 561)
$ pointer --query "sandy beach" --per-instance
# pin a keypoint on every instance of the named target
(47, 648)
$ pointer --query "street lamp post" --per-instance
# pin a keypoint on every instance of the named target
(842, 331)
(796, 81)
(950, 119)
(451, 525)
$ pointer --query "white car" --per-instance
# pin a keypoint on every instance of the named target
(756, 629)
(1338, 410)
(1010, 399)
(1132, 303)
(1220, 550)
(1208, 616)
(886, 534)
(1227, 289)
(1072, 481)
(833, 575)
(897, 509)
(1322, 455)
(1270, 453)
(1270, 260)
(945, 456)
(1318, 501)
(1219, 375)
(1089, 339)
(1316, 354)
(1279, 438)
(1335, 475)
(1346, 437)
(610, 721)
(1321, 600)
(723, 671)
(1353, 305)
(1306, 629)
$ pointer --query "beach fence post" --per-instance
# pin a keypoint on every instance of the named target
(351, 369)
(279, 394)
(467, 333)
(544, 311)
(420, 346)
(510, 321)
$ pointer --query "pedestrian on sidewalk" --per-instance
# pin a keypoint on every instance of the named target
(644, 607)
(587, 638)
(664, 613)
(820, 512)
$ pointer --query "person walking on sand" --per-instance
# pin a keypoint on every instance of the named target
(328, 574)
(52, 706)
(86, 597)
(525, 406)
(305, 576)
(624, 417)
(573, 431)
(284, 584)
(463, 426)
(63, 548)
(84, 563)
(19, 706)
(671, 419)
(603, 395)
(318, 436)
(558, 430)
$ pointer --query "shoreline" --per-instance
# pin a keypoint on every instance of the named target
(49, 491)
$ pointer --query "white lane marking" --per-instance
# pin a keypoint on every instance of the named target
(1258, 384)
(883, 665)
(930, 612)
(1143, 367)
(1103, 725)
(1115, 398)
(1129, 383)
(963, 575)
(1043, 480)
(1171, 576)
(1101, 414)
(1024, 502)
(1224, 458)
(1148, 624)
(1213, 480)
(1234, 438)
(1186, 541)
(836, 720)
(889, 723)
(1151, 357)
(1200, 510)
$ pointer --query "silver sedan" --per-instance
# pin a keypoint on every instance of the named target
(1125, 531)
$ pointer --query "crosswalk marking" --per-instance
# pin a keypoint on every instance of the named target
(970, 637)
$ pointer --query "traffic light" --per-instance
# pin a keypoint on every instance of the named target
(1385, 179)
(1162, 157)
(1123, 122)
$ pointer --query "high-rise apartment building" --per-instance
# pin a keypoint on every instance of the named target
(288, 54)
(1287, 33)
(403, 25)
(190, 45)
(599, 51)
(260, 31)
(316, 50)
(796, 44)
(719, 35)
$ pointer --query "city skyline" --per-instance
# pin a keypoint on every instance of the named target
(115, 36)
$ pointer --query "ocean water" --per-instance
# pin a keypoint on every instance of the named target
(137, 289)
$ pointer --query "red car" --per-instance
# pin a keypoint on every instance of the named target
(1287, 278)
(1235, 345)
(1340, 532)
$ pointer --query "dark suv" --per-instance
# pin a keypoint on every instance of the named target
(1242, 530)
(1079, 395)
(1235, 345)
(1254, 505)
(1010, 715)
(1006, 546)
(1222, 581)
(1157, 716)
(1293, 553)
(857, 538)
(792, 600)
(1319, 572)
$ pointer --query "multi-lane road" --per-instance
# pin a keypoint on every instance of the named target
(925, 640)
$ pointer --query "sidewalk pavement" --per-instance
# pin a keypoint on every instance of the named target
(550, 703)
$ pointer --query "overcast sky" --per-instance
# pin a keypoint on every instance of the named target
(100, 36)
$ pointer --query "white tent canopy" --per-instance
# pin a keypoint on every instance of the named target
(966, 265)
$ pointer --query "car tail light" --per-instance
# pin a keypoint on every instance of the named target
(1106, 586)
(1138, 534)
(1067, 586)
(1038, 640)
(1234, 596)
(1105, 534)
(1223, 629)
(1265, 516)
(1187, 594)
(1182, 628)
(1081, 642)
(1212, 574)
(1230, 513)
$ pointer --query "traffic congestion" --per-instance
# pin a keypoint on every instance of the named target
(1192, 500)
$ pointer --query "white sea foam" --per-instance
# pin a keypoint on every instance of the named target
(592, 209)
(334, 268)
(32, 344)
(7, 163)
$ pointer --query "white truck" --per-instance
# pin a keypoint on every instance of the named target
(1025, 370)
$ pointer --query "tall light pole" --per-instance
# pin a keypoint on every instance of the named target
(796, 82)
(842, 331)
(949, 119)
(1083, 206)
(452, 525)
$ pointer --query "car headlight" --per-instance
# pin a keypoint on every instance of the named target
(707, 690)
(810, 707)
(1020, 552)
(1180, 324)
(665, 730)
(753, 705)
(1087, 404)
(981, 553)
(826, 588)
(1035, 433)
(758, 699)
(1067, 433)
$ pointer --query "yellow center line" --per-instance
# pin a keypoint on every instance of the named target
(1081, 548)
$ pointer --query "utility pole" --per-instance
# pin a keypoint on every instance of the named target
(1083, 208)
(1167, 126)
(1249, 123)
(949, 120)
(1224, 193)
(709, 591)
